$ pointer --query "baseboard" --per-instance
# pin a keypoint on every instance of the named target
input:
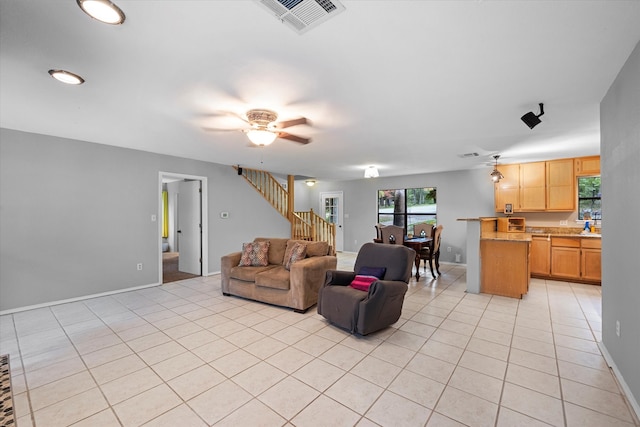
(85, 297)
(625, 388)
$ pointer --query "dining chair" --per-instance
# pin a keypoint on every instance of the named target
(428, 230)
(431, 252)
(392, 230)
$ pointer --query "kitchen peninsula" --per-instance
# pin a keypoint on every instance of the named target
(497, 260)
(502, 254)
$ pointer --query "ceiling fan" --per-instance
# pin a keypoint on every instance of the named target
(264, 129)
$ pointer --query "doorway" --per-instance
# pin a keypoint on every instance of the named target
(331, 208)
(183, 234)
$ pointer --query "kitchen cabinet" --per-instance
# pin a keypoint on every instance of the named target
(533, 187)
(541, 255)
(504, 267)
(543, 186)
(510, 225)
(587, 166)
(561, 185)
(507, 191)
(591, 259)
(567, 258)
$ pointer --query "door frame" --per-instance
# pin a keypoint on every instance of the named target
(340, 225)
(204, 204)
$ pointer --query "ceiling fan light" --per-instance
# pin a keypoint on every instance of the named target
(102, 10)
(66, 77)
(371, 172)
(261, 136)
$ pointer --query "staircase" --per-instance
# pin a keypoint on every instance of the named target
(305, 225)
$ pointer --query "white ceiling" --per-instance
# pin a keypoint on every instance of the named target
(407, 86)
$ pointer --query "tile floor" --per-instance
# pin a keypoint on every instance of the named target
(184, 355)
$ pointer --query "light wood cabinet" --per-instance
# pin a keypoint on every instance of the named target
(541, 255)
(561, 185)
(571, 258)
(504, 267)
(511, 225)
(533, 188)
(508, 189)
(591, 261)
(587, 166)
(543, 186)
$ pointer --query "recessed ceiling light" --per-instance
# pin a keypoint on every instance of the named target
(102, 10)
(66, 77)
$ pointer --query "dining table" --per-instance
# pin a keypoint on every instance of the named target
(417, 243)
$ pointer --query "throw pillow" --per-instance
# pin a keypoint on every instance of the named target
(362, 282)
(298, 252)
(255, 254)
(373, 271)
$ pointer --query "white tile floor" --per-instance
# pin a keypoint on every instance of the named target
(184, 355)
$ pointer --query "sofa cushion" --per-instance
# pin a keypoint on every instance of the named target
(254, 254)
(373, 271)
(276, 278)
(248, 274)
(362, 283)
(276, 248)
(317, 249)
(297, 252)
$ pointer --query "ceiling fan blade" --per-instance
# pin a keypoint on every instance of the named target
(294, 138)
(293, 122)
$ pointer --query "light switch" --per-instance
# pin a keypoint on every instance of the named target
(224, 215)
(153, 218)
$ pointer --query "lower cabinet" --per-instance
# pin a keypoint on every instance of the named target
(504, 267)
(541, 255)
(592, 259)
(570, 258)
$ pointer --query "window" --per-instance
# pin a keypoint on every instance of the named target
(407, 207)
(589, 197)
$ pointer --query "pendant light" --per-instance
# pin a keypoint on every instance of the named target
(496, 175)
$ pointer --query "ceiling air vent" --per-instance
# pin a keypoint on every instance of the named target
(303, 15)
(467, 155)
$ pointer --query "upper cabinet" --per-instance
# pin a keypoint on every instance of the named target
(543, 186)
(533, 186)
(561, 185)
(587, 166)
(507, 191)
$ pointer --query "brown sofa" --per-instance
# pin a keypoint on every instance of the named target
(274, 284)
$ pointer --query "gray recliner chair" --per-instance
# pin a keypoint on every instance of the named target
(364, 312)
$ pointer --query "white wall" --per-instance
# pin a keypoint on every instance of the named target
(75, 217)
(460, 194)
(620, 164)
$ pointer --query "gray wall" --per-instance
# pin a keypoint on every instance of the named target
(620, 164)
(75, 217)
(461, 194)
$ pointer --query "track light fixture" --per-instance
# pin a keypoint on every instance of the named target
(496, 175)
(531, 119)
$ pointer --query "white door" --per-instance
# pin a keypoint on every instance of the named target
(189, 228)
(331, 208)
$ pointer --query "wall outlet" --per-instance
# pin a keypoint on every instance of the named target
(139, 266)
(458, 258)
(564, 222)
(448, 248)
(617, 327)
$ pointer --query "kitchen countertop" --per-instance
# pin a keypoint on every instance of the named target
(497, 235)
